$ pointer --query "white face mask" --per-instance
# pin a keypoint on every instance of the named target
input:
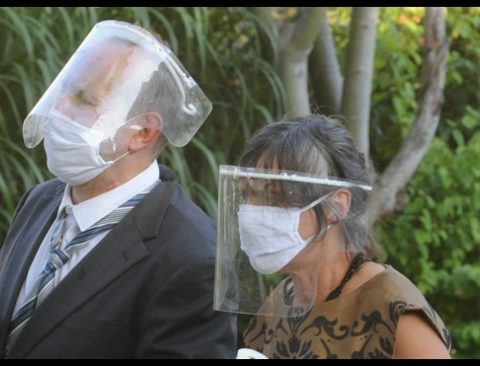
(73, 150)
(269, 235)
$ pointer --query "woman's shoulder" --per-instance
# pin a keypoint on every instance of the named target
(401, 283)
(387, 286)
(391, 283)
(403, 295)
(410, 299)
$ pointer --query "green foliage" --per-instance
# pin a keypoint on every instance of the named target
(463, 78)
(396, 80)
(219, 46)
(229, 64)
(435, 239)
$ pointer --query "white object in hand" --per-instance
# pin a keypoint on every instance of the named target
(246, 353)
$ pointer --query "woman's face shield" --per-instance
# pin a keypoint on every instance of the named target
(268, 225)
(118, 74)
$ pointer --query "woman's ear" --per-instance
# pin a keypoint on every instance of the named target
(148, 131)
(341, 200)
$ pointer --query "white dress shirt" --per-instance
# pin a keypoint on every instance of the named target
(86, 214)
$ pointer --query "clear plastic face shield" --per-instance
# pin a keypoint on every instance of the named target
(269, 224)
(118, 74)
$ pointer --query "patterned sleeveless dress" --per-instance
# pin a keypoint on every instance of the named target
(359, 324)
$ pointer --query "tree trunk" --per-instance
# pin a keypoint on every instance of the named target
(325, 71)
(396, 176)
(296, 42)
(357, 87)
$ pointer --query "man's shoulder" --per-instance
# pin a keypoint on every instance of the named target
(178, 220)
(48, 187)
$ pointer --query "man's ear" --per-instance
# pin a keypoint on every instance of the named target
(148, 131)
(341, 200)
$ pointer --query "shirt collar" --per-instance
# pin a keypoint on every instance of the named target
(88, 212)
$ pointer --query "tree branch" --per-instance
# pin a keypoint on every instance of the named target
(296, 42)
(396, 176)
(325, 71)
(359, 75)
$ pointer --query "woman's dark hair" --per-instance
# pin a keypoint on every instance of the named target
(320, 146)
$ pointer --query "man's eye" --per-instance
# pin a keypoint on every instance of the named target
(84, 99)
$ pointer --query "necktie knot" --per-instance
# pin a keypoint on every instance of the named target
(64, 232)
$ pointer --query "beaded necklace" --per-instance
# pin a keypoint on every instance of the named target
(359, 259)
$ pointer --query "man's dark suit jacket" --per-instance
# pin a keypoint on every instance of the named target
(145, 291)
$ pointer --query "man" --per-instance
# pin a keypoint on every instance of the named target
(112, 260)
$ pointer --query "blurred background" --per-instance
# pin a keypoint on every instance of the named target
(405, 81)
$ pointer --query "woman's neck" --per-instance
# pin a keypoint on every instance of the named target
(319, 269)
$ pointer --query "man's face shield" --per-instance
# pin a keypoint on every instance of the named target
(119, 73)
(269, 223)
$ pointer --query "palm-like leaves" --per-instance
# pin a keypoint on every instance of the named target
(219, 46)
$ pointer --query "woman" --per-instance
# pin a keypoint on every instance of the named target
(302, 216)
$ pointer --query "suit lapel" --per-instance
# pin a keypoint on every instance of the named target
(20, 249)
(117, 252)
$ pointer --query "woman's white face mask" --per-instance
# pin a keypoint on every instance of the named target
(269, 235)
(73, 150)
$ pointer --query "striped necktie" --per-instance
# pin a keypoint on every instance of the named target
(61, 254)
